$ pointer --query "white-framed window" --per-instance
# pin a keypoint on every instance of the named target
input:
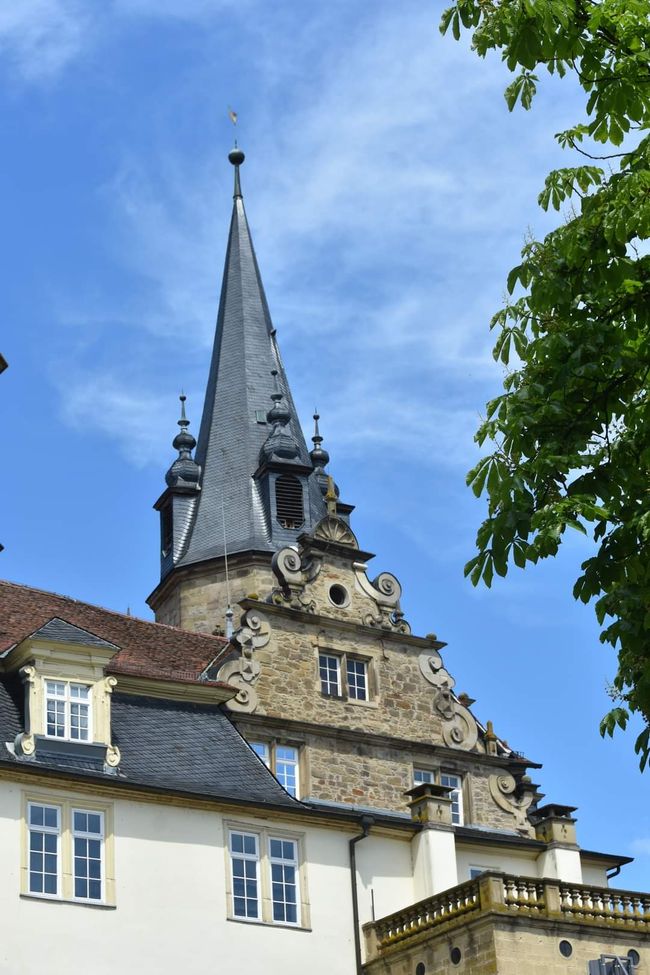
(344, 676)
(357, 674)
(88, 854)
(67, 710)
(329, 666)
(245, 866)
(68, 850)
(283, 760)
(265, 875)
(44, 849)
(444, 778)
(283, 861)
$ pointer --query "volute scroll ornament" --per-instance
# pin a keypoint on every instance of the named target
(385, 591)
(293, 572)
(459, 729)
(243, 671)
(512, 798)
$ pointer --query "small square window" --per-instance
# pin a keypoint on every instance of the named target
(357, 674)
(330, 674)
(282, 760)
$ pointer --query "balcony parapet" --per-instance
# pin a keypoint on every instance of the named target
(529, 898)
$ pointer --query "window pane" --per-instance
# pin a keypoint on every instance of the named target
(261, 748)
(357, 679)
(423, 775)
(456, 783)
(286, 767)
(329, 668)
(283, 855)
(43, 847)
(87, 854)
(79, 691)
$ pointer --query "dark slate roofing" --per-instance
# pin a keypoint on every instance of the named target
(239, 388)
(145, 647)
(166, 745)
(64, 632)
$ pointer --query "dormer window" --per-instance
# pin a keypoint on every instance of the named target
(67, 710)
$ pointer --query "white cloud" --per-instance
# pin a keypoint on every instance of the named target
(376, 165)
(40, 37)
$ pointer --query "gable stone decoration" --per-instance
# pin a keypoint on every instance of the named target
(459, 728)
(243, 671)
(513, 798)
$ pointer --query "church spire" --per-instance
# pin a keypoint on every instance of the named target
(246, 372)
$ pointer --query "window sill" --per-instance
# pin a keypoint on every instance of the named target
(342, 699)
(98, 906)
(268, 924)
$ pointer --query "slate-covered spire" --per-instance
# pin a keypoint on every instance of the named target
(235, 425)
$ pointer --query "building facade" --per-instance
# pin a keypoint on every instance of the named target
(278, 772)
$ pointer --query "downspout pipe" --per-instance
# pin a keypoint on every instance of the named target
(367, 822)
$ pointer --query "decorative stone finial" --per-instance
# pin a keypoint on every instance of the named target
(184, 471)
(330, 497)
(280, 443)
(236, 157)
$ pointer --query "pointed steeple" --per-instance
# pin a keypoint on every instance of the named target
(246, 371)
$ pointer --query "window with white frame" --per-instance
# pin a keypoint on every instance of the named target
(265, 877)
(329, 667)
(344, 676)
(67, 710)
(87, 849)
(283, 760)
(357, 674)
(245, 866)
(444, 778)
(44, 850)
(66, 856)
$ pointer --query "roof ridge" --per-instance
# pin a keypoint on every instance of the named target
(113, 612)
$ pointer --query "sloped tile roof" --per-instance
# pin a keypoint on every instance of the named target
(145, 648)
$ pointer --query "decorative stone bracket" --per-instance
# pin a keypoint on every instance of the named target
(294, 570)
(513, 798)
(244, 671)
(459, 729)
(385, 590)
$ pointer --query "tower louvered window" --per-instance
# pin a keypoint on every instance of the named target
(289, 502)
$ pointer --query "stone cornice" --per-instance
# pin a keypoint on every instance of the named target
(180, 572)
(174, 690)
(383, 741)
(271, 609)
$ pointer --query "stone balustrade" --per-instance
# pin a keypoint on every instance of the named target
(503, 894)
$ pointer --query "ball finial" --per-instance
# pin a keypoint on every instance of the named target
(236, 156)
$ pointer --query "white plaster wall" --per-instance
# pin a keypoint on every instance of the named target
(171, 902)
(504, 860)
(598, 876)
(384, 875)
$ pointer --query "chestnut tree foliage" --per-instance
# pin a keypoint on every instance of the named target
(570, 433)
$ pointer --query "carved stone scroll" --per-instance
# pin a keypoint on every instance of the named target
(503, 789)
(244, 670)
(459, 729)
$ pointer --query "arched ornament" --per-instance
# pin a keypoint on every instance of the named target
(333, 529)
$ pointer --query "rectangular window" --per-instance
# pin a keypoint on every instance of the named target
(456, 783)
(283, 860)
(444, 778)
(44, 828)
(330, 674)
(87, 849)
(357, 674)
(244, 858)
(67, 710)
(68, 851)
(266, 878)
(286, 767)
(282, 760)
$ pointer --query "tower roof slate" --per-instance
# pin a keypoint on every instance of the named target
(239, 394)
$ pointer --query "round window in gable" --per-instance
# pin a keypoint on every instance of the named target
(339, 595)
(566, 948)
(420, 968)
(455, 954)
(634, 956)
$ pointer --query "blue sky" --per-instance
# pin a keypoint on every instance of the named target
(389, 191)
